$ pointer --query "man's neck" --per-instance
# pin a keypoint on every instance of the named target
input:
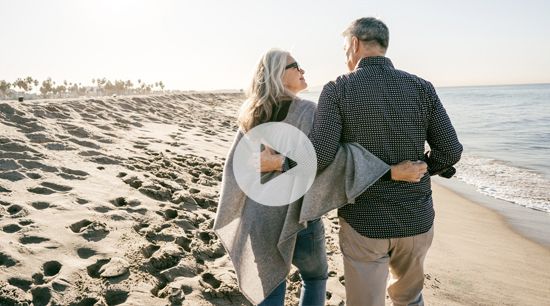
(366, 54)
(372, 53)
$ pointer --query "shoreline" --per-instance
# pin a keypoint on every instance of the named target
(529, 223)
(477, 258)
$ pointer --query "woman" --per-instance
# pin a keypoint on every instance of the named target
(262, 240)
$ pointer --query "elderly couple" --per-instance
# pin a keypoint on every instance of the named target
(376, 119)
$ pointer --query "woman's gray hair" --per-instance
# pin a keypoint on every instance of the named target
(266, 90)
(369, 30)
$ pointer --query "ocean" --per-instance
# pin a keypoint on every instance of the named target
(505, 131)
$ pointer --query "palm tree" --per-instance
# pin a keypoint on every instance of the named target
(30, 83)
(93, 83)
(129, 86)
(21, 84)
(61, 89)
(4, 87)
(47, 86)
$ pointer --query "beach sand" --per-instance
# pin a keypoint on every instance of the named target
(110, 201)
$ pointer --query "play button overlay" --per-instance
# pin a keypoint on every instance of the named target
(280, 188)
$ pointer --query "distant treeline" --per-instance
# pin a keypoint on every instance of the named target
(32, 88)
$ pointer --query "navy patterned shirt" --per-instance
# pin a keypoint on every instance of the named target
(392, 114)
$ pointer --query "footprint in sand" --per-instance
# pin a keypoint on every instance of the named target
(77, 131)
(51, 268)
(127, 205)
(93, 269)
(85, 253)
(7, 261)
(149, 250)
(39, 137)
(21, 283)
(342, 280)
(49, 188)
(40, 190)
(8, 164)
(87, 301)
(89, 153)
(90, 230)
(134, 182)
(104, 160)
(40, 205)
(37, 165)
(184, 242)
(32, 239)
(58, 146)
(26, 222)
(102, 209)
(56, 187)
(12, 176)
(12, 146)
(167, 256)
(11, 228)
(16, 211)
(103, 139)
(116, 268)
(41, 295)
(140, 226)
(115, 296)
(169, 214)
(33, 175)
(81, 201)
(4, 189)
(120, 202)
(38, 278)
(85, 143)
(60, 285)
(71, 174)
(209, 280)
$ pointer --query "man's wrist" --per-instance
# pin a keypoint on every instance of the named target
(388, 175)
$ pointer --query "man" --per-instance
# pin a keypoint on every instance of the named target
(392, 114)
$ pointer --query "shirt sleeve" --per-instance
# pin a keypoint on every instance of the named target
(327, 126)
(445, 149)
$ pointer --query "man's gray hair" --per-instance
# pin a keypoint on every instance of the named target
(369, 30)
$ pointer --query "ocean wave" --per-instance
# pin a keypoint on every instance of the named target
(504, 181)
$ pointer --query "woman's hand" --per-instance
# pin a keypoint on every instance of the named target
(409, 171)
(270, 161)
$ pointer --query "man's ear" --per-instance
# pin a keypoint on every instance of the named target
(355, 44)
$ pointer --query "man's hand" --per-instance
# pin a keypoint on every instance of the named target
(270, 161)
(409, 171)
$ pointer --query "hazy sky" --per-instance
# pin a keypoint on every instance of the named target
(215, 44)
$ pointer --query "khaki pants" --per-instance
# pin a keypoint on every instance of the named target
(366, 263)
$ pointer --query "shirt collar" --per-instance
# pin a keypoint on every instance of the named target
(374, 60)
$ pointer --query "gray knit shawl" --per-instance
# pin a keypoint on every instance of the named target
(260, 239)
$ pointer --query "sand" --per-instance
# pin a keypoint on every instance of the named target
(110, 201)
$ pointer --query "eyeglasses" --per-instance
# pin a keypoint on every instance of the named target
(293, 65)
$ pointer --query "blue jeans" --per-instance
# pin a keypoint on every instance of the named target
(310, 257)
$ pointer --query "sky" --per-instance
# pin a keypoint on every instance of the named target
(208, 44)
